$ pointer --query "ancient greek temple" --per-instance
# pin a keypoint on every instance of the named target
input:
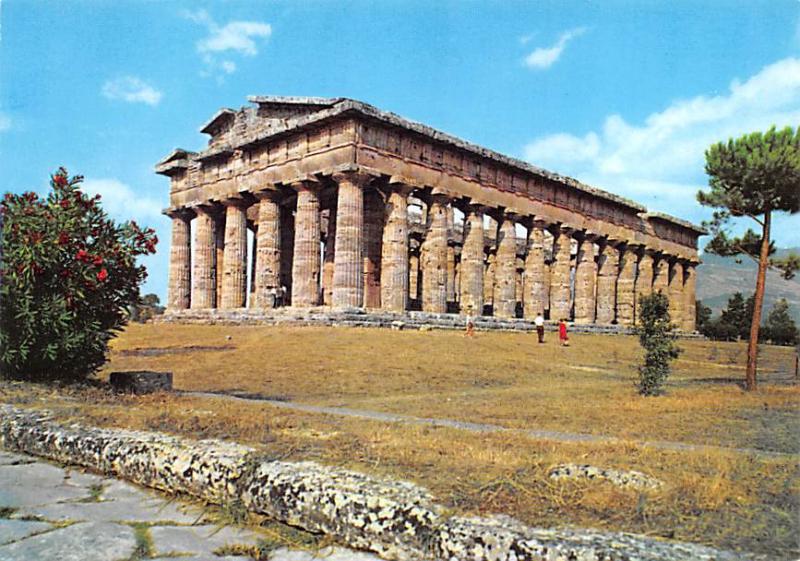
(352, 207)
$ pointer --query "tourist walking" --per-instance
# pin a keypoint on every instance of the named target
(539, 323)
(562, 333)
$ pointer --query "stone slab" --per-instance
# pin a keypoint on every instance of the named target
(327, 554)
(79, 542)
(11, 459)
(13, 530)
(36, 484)
(198, 540)
(145, 509)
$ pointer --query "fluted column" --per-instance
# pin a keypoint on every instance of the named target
(374, 209)
(585, 280)
(433, 258)
(328, 257)
(268, 249)
(251, 297)
(180, 261)
(505, 287)
(413, 275)
(394, 253)
(287, 251)
(689, 296)
(661, 275)
(348, 279)
(234, 267)
(306, 262)
(534, 279)
(626, 285)
(451, 254)
(560, 274)
(607, 277)
(488, 278)
(471, 270)
(676, 297)
(644, 279)
(219, 248)
(204, 272)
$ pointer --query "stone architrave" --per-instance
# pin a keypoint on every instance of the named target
(287, 251)
(585, 280)
(607, 277)
(505, 286)
(374, 209)
(472, 269)
(689, 297)
(306, 262)
(560, 270)
(204, 270)
(394, 280)
(626, 285)
(433, 258)
(234, 267)
(328, 262)
(535, 281)
(348, 272)
(644, 278)
(661, 269)
(180, 261)
(676, 296)
(268, 252)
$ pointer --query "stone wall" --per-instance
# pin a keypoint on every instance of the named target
(397, 520)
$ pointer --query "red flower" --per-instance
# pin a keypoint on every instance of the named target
(65, 203)
(98, 260)
(60, 180)
(63, 238)
(82, 255)
(102, 275)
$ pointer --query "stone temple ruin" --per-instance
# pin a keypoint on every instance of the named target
(354, 207)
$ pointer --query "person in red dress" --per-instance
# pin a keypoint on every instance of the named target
(562, 333)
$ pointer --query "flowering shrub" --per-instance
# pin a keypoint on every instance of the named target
(67, 275)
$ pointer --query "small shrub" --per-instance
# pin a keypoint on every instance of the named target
(68, 275)
(658, 340)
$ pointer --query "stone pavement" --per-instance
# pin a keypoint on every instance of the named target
(51, 513)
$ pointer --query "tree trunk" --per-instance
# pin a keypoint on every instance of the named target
(758, 303)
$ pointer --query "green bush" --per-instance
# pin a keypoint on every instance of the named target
(68, 274)
(657, 338)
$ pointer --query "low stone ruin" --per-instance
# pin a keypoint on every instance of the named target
(621, 478)
(141, 381)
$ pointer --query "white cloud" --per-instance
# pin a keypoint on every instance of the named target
(132, 90)
(235, 37)
(545, 57)
(660, 161)
(121, 202)
(5, 122)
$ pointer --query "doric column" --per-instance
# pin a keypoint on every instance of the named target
(268, 252)
(607, 276)
(251, 297)
(348, 279)
(559, 274)
(413, 275)
(180, 261)
(626, 285)
(433, 258)
(661, 274)
(394, 254)
(488, 278)
(451, 254)
(374, 209)
(219, 247)
(585, 279)
(505, 287)
(534, 279)
(204, 272)
(234, 268)
(329, 257)
(471, 270)
(644, 278)
(676, 297)
(689, 296)
(306, 262)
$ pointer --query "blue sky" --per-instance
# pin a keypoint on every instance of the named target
(623, 95)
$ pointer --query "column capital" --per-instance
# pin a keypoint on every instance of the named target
(238, 202)
(359, 178)
(562, 228)
(268, 194)
(182, 212)
(210, 208)
(309, 183)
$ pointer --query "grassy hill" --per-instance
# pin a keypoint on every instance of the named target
(718, 278)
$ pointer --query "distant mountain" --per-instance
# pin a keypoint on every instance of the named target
(718, 278)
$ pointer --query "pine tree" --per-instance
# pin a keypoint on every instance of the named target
(780, 328)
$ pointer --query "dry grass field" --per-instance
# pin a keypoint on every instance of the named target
(721, 497)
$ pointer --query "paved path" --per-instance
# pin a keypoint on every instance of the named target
(485, 427)
(49, 513)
